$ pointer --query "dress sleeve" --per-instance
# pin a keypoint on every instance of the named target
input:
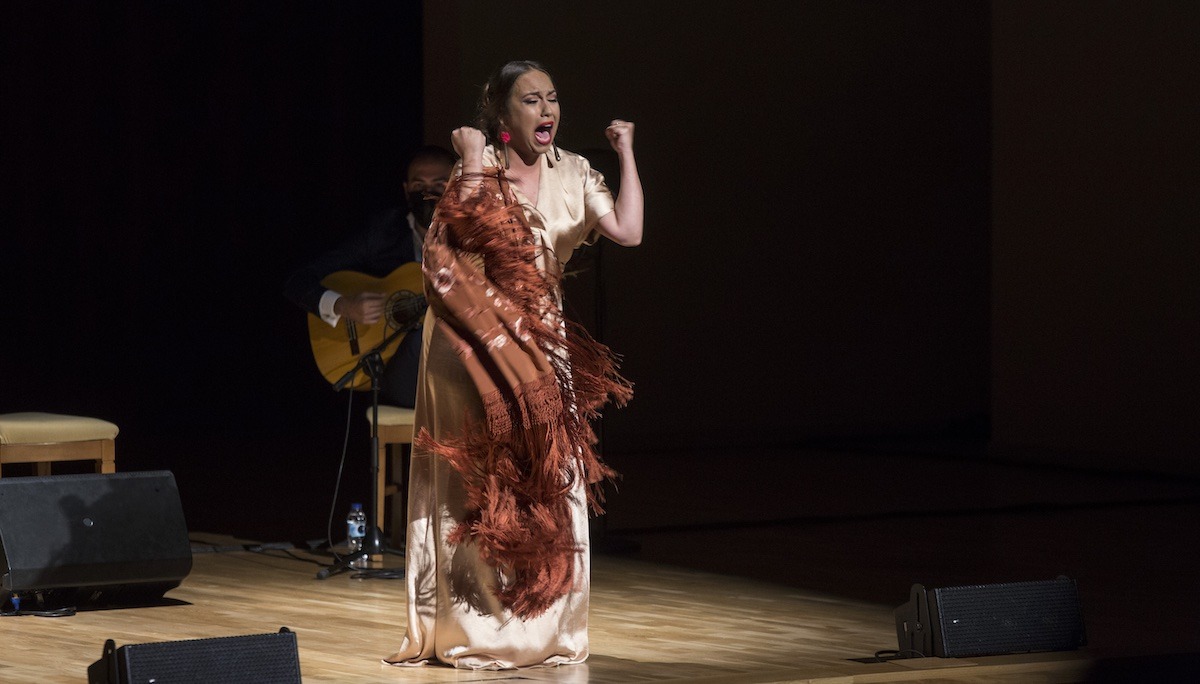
(597, 198)
(597, 201)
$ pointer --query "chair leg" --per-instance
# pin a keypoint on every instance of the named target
(42, 468)
(108, 457)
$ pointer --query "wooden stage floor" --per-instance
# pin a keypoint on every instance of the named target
(785, 570)
(649, 623)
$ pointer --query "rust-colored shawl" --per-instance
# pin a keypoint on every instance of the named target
(541, 378)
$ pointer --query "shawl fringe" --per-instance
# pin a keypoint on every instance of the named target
(542, 380)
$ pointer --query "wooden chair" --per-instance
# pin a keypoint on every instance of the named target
(46, 438)
(395, 430)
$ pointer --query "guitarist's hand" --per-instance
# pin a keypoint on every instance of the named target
(365, 307)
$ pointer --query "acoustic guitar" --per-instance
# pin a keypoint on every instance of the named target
(337, 349)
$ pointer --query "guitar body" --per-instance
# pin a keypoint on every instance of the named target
(331, 345)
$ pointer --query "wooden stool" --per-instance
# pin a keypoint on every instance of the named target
(395, 428)
(44, 438)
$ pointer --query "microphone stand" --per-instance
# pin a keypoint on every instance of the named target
(605, 161)
(374, 543)
(601, 541)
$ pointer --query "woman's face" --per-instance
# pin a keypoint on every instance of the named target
(532, 114)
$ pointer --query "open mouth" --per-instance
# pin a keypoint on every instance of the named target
(544, 133)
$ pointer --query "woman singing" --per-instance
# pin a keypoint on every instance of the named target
(503, 469)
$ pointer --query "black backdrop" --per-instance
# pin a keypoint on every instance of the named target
(166, 165)
(172, 163)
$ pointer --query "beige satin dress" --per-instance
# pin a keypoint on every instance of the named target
(453, 614)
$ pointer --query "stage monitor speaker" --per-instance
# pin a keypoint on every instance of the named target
(991, 619)
(252, 659)
(96, 539)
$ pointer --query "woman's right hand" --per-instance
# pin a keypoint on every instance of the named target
(468, 143)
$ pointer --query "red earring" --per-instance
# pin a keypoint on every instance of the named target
(504, 138)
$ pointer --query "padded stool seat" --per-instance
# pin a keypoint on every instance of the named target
(45, 438)
(395, 428)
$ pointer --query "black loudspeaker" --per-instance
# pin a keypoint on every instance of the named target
(103, 539)
(253, 659)
(991, 619)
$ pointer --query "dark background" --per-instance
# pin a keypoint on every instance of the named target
(166, 166)
(958, 231)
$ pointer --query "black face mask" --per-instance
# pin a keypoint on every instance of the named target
(422, 208)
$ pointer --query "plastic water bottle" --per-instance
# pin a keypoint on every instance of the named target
(356, 530)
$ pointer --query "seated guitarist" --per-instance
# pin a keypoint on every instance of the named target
(392, 238)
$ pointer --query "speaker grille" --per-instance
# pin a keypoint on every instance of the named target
(1017, 617)
(253, 659)
(93, 532)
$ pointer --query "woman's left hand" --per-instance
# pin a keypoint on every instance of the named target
(623, 225)
(620, 135)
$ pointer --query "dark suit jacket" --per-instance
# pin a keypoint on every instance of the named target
(384, 246)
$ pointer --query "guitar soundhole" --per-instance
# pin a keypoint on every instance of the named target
(404, 310)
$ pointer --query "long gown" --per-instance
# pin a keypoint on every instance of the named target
(454, 615)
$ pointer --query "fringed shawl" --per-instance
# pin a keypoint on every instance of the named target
(541, 379)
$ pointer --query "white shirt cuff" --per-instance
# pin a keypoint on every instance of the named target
(325, 306)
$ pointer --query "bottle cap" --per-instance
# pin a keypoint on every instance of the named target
(356, 506)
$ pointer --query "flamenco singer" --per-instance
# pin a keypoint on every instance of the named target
(503, 469)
